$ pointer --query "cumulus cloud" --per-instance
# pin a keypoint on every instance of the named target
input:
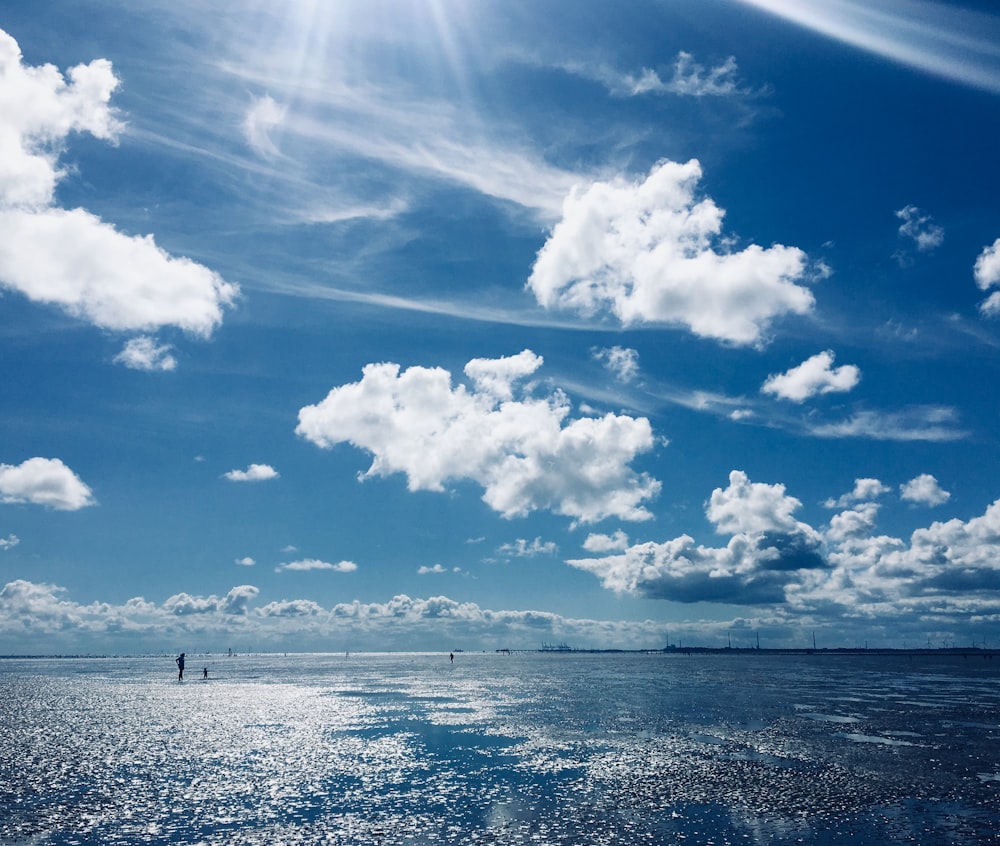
(524, 451)
(36, 605)
(69, 258)
(144, 353)
(650, 252)
(597, 542)
(44, 481)
(987, 275)
(246, 561)
(920, 228)
(437, 569)
(751, 570)
(924, 490)
(747, 506)
(9, 542)
(865, 490)
(38, 110)
(253, 473)
(112, 280)
(621, 361)
(236, 603)
(816, 375)
(943, 576)
(316, 564)
(845, 573)
(41, 614)
(768, 550)
(292, 608)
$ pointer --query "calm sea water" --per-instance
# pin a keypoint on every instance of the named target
(497, 749)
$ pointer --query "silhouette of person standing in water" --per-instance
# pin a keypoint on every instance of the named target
(180, 667)
(204, 673)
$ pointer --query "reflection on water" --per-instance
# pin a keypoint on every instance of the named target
(523, 748)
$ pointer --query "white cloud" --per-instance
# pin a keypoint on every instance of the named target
(522, 548)
(316, 564)
(246, 561)
(865, 490)
(987, 275)
(688, 78)
(436, 569)
(621, 361)
(852, 523)
(9, 542)
(987, 268)
(112, 280)
(44, 481)
(917, 423)
(262, 117)
(236, 603)
(40, 616)
(94, 272)
(495, 377)
(292, 608)
(401, 129)
(143, 353)
(816, 375)
(924, 490)
(747, 506)
(768, 550)
(523, 451)
(920, 228)
(943, 39)
(38, 109)
(253, 473)
(944, 576)
(596, 542)
(645, 252)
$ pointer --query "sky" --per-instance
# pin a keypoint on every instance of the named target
(444, 325)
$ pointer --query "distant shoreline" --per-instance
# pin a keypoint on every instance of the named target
(954, 652)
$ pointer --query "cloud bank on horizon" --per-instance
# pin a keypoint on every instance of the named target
(657, 229)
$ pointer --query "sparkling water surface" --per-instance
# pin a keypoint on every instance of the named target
(524, 748)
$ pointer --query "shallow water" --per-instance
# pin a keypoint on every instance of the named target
(523, 748)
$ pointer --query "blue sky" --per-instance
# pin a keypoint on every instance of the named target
(398, 325)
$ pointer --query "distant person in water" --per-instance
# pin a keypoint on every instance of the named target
(452, 656)
(180, 667)
(204, 673)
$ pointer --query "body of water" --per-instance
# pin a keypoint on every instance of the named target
(501, 749)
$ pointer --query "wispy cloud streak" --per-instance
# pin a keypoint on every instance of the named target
(957, 44)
